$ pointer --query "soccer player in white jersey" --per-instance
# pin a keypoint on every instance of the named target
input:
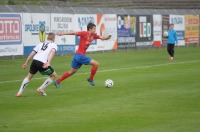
(42, 55)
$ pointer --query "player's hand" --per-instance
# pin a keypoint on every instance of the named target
(59, 34)
(109, 36)
(45, 65)
(24, 66)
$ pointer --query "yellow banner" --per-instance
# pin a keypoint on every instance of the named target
(191, 29)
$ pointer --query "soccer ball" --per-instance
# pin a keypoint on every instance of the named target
(109, 83)
(165, 34)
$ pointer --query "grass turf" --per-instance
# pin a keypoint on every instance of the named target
(150, 94)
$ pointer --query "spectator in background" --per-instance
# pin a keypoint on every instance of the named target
(171, 41)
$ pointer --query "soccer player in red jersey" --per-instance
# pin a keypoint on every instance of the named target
(86, 38)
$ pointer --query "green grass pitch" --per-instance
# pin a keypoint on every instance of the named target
(150, 94)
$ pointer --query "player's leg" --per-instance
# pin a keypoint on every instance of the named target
(171, 50)
(32, 72)
(75, 66)
(94, 69)
(24, 84)
(168, 49)
(51, 76)
(67, 74)
(82, 59)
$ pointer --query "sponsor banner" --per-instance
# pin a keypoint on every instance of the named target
(107, 25)
(7, 50)
(126, 31)
(35, 28)
(11, 34)
(157, 30)
(63, 49)
(81, 22)
(28, 49)
(145, 30)
(63, 23)
(165, 27)
(179, 26)
(191, 29)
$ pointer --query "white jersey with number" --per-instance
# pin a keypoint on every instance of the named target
(43, 51)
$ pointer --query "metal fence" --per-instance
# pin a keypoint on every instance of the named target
(92, 10)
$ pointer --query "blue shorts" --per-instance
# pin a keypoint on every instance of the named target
(80, 59)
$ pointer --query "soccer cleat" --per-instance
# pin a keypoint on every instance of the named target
(40, 91)
(91, 82)
(18, 94)
(56, 84)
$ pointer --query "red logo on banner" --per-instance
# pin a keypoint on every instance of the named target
(10, 29)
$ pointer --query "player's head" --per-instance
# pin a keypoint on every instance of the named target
(51, 37)
(171, 26)
(91, 27)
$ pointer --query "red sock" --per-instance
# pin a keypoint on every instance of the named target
(93, 72)
(63, 77)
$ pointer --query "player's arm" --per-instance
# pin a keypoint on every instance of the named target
(105, 37)
(66, 33)
(24, 66)
(53, 51)
(176, 39)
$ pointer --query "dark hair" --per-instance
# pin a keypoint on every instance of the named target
(171, 24)
(90, 26)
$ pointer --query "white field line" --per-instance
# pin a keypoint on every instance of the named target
(125, 68)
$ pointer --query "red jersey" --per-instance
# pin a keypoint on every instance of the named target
(85, 40)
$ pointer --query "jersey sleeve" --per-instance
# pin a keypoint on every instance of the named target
(55, 47)
(81, 33)
(176, 39)
(36, 48)
(96, 36)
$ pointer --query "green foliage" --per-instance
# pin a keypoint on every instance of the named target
(150, 94)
